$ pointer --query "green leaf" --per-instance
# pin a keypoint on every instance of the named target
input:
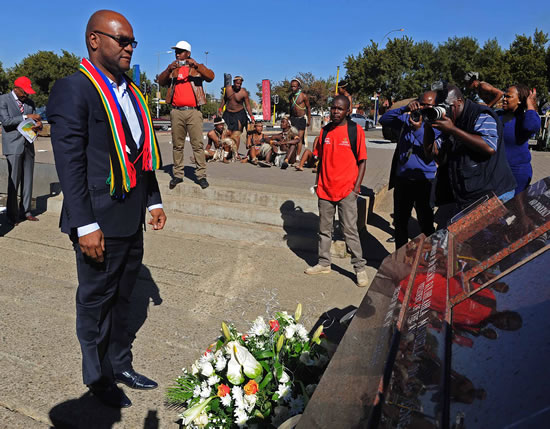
(263, 355)
(258, 414)
(266, 380)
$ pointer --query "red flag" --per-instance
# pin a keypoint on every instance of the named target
(266, 99)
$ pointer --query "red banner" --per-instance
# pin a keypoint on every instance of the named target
(266, 99)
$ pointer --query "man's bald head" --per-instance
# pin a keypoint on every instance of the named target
(428, 98)
(106, 21)
(110, 42)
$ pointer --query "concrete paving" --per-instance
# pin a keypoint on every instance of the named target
(188, 284)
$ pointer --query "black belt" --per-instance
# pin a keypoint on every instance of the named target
(187, 107)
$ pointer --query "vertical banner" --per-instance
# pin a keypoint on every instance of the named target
(136, 75)
(266, 99)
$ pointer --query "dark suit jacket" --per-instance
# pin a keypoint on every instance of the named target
(81, 136)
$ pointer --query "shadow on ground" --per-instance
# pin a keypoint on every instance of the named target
(87, 411)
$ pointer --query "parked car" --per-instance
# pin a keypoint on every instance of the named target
(258, 116)
(161, 124)
(363, 121)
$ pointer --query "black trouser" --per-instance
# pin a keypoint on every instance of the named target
(409, 193)
(103, 306)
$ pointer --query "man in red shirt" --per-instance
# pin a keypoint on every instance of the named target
(185, 76)
(339, 176)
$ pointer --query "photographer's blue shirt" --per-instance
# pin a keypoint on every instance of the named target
(412, 162)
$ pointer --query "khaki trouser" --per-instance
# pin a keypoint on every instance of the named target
(347, 213)
(184, 122)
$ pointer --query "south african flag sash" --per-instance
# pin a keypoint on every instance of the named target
(122, 177)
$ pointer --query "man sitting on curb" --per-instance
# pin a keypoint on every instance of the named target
(254, 142)
(220, 146)
(342, 154)
(283, 145)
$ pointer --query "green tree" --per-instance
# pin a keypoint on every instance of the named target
(527, 60)
(492, 64)
(365, 73)
(456, 57)
(4, 81)
(43, 68)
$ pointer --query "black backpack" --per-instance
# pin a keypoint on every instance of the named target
(352, 134)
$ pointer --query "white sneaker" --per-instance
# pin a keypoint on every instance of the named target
(317, 269)
(362, 278)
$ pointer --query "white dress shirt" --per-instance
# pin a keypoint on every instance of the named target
(123, 97)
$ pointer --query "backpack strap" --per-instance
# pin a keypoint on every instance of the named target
(352, 134)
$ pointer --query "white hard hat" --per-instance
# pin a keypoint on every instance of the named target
(182, 44)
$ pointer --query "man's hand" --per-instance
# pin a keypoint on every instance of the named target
(192, 63)
(445, 125)
(415, 124)
(414, 105)
(93, 245)
(174, 65)
(37, 127)
(34, 116)
(158, 219)
(532, 100)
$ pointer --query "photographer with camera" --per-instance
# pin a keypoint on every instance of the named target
(471, 157)
(186, 95)
(412, 174)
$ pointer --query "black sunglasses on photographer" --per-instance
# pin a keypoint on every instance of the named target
(122, 41)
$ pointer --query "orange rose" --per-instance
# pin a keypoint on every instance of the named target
(251, 387)
(223, 390)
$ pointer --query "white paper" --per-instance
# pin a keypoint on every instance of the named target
(25, 128)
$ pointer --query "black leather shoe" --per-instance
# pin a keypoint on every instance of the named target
(203, 183)
(135, 381)
(174, 182)
(111, 395)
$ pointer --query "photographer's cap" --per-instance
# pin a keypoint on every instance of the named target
(24, 83)
(183, 45)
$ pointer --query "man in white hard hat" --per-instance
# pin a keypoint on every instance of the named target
(184, 76)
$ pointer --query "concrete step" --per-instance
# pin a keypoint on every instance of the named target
(259, 195)
(287, 215)
(253, 233)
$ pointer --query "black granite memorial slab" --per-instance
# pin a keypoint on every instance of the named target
(459, 337)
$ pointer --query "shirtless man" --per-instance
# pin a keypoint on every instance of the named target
(343, 90)
(254, 142)
(284, 143)
(219, 146)
(487, 92)
(235, 101)
(299, 106)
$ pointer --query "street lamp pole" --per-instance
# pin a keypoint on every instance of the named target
(389, 32)
(158, 54)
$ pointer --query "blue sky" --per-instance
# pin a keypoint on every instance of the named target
(270, 39)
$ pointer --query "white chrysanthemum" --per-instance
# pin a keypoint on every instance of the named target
(195, 368)
(283, 391)
(207, 369)
(204, 384)
(206, 392)
(260, 345)
(287, 317)
(207, 357)
(221, 362)
(259, 327)
(197, 391)
(302, 332)
(284, 378)
(290, 330)
(237, 392)
(213, 380)
(226, 400)
(241, 417)
(250, 401)
(296, 405)
(201, 420)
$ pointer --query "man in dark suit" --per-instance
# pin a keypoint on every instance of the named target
(103, 220)
(15, 107)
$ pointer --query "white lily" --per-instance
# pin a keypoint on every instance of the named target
(192, 413)
(241, 358)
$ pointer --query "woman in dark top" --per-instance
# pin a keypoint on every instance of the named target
(521, 120)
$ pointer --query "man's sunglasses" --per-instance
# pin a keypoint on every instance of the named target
(122, 41)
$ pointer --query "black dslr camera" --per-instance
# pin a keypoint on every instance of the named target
(432, 114)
